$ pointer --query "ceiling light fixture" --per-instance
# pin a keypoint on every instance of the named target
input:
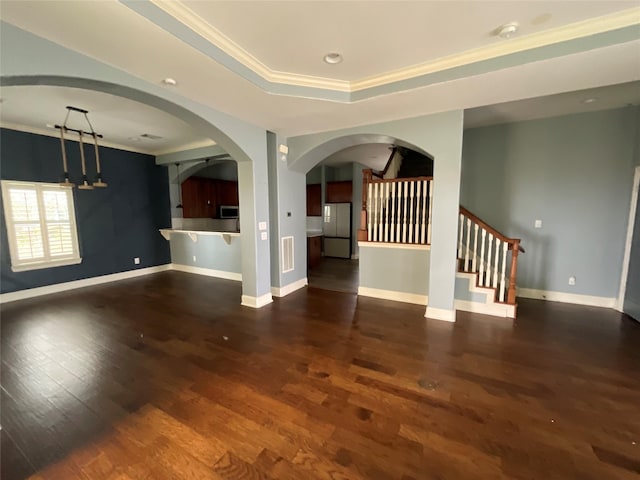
(589, 100)
(507, 30)
(81, 133)
(332, 58)
(169, 81)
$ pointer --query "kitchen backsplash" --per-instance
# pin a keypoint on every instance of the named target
(314, 223)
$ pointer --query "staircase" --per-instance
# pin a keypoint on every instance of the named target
(489, 261)
(399, 210)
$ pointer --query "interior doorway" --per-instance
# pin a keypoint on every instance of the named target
(629, 296)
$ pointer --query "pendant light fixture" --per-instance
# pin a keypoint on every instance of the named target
(85, 185)
(66, 182)
(179, 187)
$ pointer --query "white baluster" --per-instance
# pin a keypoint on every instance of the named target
(375, 212)
(481, 277)
(487, 282)
(505, 247)
(424, 211)
(416, 221)
(370, 211)
(399, 219)
(474, 261)
(466, 253)
(393, 211)
(380, 221)
(430, 209)
(404, 224)
(460, 232)
(496, 263)
(410, 224)
(386, 212)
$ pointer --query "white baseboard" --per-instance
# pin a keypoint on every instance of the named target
(393, 295)
(86, 282)
(441, 314)
(563, 297)
(209, 272)
(256, 302)
(494, 309)
(290, 288)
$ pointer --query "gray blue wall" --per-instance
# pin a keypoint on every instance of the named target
(211, 252)
(287, 214)
(115, 224)
(395, 269)
(572, 172)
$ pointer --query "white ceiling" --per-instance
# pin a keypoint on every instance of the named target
(119, 120)
(379, 36)
(372, 155)
(291, 36)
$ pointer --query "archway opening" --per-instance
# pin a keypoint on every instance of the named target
(356, 193)
(195, 121)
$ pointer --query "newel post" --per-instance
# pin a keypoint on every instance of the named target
(511, 295)
(367, 176)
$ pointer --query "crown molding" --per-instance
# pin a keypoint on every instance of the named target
(195, 22)
(573, 31)
(179, 11)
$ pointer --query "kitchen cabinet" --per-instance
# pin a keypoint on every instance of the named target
(314, 200)
(201, 197)
(339, 192)
(314, 251)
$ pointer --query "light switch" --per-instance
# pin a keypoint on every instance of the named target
(262, 225)
(537, 224)
(263, 235)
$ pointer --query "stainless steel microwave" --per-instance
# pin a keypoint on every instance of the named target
(228, 211)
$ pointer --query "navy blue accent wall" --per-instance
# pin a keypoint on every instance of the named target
(115, 224)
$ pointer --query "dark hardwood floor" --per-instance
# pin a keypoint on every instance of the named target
(337, 274)
(167, 377)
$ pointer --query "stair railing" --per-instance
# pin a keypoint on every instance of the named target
(396, 210)
(484, 250)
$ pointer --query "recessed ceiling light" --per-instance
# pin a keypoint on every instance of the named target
(134, 139)
(170, 81)
(507, 30)
(332, 58)
(589, 100)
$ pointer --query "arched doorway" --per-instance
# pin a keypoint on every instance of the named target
(440, 137)
(255, 266)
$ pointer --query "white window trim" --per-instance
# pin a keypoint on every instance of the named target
(48, 262)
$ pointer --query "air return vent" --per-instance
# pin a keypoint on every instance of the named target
(287, 254)
(150, 136)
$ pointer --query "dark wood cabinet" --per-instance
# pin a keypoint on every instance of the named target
(227, 192)
(314, 200)
(339, 192)
(314, 251)
(201, 197)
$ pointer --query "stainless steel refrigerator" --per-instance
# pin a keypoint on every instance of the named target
(337, 230)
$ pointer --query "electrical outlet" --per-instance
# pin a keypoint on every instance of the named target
(136, 261)
(194, 258)
(572, 280)
(263, 235)
(537, 224)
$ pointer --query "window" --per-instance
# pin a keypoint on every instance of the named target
(41, 225)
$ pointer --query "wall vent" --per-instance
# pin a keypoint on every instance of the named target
(287, 254)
